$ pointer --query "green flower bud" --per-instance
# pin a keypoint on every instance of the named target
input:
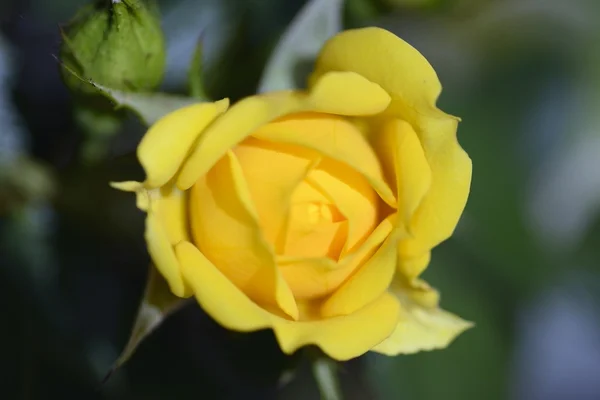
(116, 43)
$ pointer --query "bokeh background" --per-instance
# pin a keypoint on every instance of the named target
(524, 75)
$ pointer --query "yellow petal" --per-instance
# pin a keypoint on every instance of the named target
(421, 329)
(171, 206)
(416, 290)
(405, 164)
(225, 227)
(163, 255)
(247, 115)
(311, 278)
(166, 225)
(316, 277)
(167, 142)
(371, 279)
(308, 238)
(343, 337)
(334, 137)
(127, 186)
(273, 171)
(421, 324)
(353, 197)
(217, 295)
(439, 212)
(405, 74)
(239, 122)
(413, 267)
(348, 93)
(384, 59)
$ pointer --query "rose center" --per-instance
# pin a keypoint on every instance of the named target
(271, 203)
(315, 226)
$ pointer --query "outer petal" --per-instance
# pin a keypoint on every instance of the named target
(348, 93)
(249, 114)
(383, 58)
(168, 141)
(421, 324)
(225, 227)
(219, 297)
(405, 165)
(334, 137)
(405, 74)
(171, 206)
(370, 280)
(439, 212)
(413, 267)
(162, 254)
(342, 338)
(165, 226)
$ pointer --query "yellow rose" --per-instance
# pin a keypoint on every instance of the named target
(313, 212)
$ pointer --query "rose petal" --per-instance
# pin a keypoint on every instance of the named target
(217, 294)
(341, 338)
(171, 206)
(167, 142)
(402, 157)
(334, 137)
(163, 255)
(273, 171)
(165, 226)
(371, 279)
(317, 277)
(348, 93)
(311, 278)
(225, 226)
(439, 212)
(352, 195)
(307, 239)
(243, 118)
(421, 324)
(405, 74)
(383, 58)
(315, 226)
(413, 267)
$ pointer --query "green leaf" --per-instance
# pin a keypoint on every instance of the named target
(149, 107)
(315, 23)
(157, 304)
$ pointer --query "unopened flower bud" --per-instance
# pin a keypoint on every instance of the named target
(116, 43)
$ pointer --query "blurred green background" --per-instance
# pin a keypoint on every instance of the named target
(524, 76)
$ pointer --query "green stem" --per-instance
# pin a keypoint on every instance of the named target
(325, 373)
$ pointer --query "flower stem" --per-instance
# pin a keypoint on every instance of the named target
(325, 372)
